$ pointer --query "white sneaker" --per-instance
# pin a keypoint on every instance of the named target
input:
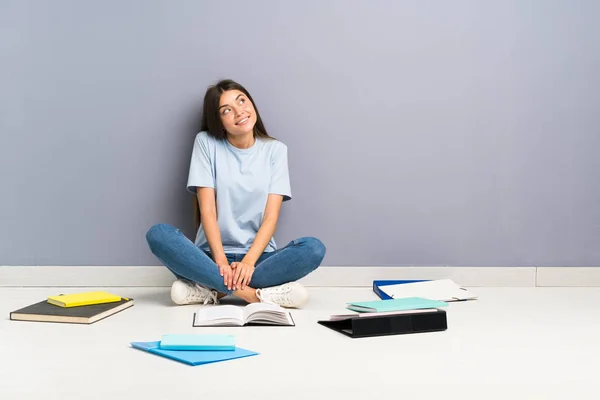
(184, 292)
(290, 295)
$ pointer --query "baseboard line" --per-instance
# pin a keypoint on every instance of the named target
(568, 276)
(325, 276)
(338, 276)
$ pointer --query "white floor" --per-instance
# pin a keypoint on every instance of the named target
(520, 342)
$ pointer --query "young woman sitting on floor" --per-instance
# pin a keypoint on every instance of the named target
(240, 176)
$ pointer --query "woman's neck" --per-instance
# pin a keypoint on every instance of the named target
(242, 142)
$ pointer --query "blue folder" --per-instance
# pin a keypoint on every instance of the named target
(378, 284)
(193, 357)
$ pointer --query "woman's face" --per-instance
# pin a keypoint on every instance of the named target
(237, 113)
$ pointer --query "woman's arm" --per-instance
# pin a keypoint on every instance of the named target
(266, 230)
(243, 270)
(208, 218)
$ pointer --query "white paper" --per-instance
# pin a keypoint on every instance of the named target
(442, 290)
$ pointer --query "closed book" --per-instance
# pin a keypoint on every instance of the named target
(83, 299)
(198, 342)
(46, 312)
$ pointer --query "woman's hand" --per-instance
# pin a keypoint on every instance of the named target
(227, 274)
(242, 274)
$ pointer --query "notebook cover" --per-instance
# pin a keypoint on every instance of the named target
(46, 312)
(192, 357)
(83, 299)
(198, 342)
(408, 303)
(433, 321)
(377, 284)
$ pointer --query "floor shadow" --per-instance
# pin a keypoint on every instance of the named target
(162, 296)
(232, 300)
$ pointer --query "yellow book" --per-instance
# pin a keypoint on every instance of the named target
(83, 299)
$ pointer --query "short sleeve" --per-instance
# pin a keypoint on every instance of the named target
(280, 179)
(201, 165)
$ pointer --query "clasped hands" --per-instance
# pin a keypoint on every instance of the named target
(237, 275)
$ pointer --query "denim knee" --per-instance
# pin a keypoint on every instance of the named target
(157, 233)
(315, 248)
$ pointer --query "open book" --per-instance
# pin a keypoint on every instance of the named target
(252, 314)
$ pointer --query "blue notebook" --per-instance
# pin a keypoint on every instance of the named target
(197, 341)
(192, 357)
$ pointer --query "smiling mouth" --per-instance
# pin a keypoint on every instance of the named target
(243, 121)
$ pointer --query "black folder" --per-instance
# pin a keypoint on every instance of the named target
(396, 324)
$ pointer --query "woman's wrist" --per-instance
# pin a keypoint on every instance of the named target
(221, 260)
(249, 261)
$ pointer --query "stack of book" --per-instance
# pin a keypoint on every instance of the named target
(195, 349)
(390, 317)
(406, 306)
(75, 308)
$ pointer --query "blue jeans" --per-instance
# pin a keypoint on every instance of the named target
(187, 261)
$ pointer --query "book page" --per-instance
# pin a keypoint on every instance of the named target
(219, 314)
(267, 313)
(256, 307)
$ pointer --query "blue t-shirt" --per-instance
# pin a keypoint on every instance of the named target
(242, 179)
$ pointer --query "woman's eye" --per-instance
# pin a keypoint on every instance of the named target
(226, 111)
